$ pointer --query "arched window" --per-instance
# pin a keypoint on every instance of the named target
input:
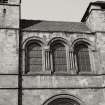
(34, 57)
(63, 99)
(83, 58)
(59, 57)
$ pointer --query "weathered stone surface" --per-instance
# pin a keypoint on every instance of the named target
(36, 89)
(88, 96)
(47, 36)
(100, 43)
(96, 41)
(14, 2)
(8, 97)
(96, 20)
(9, 43)
(8, 81)
(9, 18)
(38, 86)
(62, 81)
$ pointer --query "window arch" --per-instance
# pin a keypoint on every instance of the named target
(81, 51)
(59, 57)
(33, 57)
(63, 99)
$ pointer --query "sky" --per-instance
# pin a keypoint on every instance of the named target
(54, 10)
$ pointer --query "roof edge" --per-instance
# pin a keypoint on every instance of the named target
(86, 14)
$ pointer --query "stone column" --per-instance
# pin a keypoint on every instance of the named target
(73, 62)
(47, 59)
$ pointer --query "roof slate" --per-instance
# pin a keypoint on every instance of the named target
(57, 26)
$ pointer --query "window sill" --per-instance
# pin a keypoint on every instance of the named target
(38, 73)
(4, 3)
(45, 73)
(61, 73)
(85, 73)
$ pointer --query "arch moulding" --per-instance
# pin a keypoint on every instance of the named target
(63, 40)
(92, 45)
(31, 39)
(71, 97)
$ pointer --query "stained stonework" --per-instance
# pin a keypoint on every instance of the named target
(88, 96)
(96, 21)
(16, 2)
(47, 37)
(9, 47)
(62, 81)
(8, 97)
(86, 88)
(9, 16)
(18, 87)
(9, 52)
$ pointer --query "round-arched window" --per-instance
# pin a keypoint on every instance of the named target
(83, 59)
(34, 57)
(63, 99)
(59, 57)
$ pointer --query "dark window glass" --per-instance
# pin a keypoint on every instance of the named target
(63, 101)
(83, 59)
(59, 58)
(34, 58)
(3, 1)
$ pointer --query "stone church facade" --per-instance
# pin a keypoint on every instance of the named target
(52, 62)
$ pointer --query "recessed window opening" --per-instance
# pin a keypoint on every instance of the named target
(63, 101)
(59, 57)
(83, 58)
(34, 57)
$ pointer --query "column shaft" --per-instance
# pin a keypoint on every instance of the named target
(47, 60)
(73, 62)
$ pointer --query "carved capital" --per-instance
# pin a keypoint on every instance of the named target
(92, 48)
(71, 49)
(47, 48)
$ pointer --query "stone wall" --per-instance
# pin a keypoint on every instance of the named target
(101, 48)
(17, 2)
(70, 39)
(8, 97)
(96, 20)
(9, 16)
(53, 81)
(87, 96)
(88, 88)
(9, 51)
(9, 54)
